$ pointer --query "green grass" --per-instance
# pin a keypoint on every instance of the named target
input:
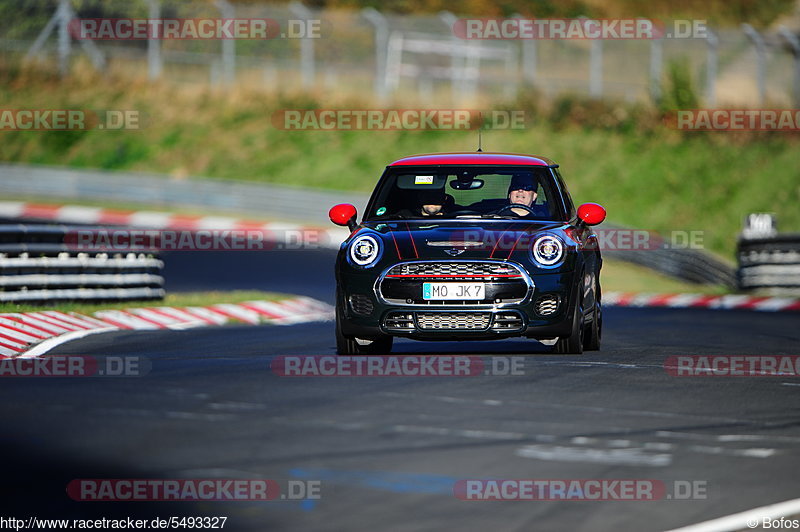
(647, 176)
(172, 300)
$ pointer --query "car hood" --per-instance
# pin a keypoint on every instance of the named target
(462, 239)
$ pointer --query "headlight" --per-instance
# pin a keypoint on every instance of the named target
(548, 250)
(365, 250)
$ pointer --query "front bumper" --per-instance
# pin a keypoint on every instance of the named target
(365, 314)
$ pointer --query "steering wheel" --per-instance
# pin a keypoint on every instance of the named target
(515, 206)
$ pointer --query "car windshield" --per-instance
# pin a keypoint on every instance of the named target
(467, 192)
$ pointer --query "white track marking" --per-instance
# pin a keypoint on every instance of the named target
(739, 521)
(560, 453)
(50, 343)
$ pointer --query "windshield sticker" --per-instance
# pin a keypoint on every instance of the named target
(423, 180)
(380, 211)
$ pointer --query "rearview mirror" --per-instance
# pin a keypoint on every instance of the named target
(466, 185)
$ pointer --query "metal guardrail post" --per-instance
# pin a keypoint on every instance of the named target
(712, 54)
(595, 67)
(381, 50)
(656, 67)
(794, 42)
(457, 64)
(761, 61)
(227, 10)
(307, 66)
(154, 61)
(529, 58)
(64, 39)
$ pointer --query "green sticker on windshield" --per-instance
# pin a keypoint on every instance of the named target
(380, 211)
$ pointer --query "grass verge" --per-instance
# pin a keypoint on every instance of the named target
(647, 175)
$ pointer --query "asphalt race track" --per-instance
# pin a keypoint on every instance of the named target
(388, 451)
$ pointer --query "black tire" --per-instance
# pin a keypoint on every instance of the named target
(573, 344)
(593, 330)
(350, 345)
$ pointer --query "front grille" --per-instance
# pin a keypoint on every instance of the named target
(361, 304)
(504, 282)
(468, 321)
(546, 305)
(456, 270)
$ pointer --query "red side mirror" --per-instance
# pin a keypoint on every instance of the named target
(343, 214)
(591, 213)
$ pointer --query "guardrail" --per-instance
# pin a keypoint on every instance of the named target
(687, 264)
(38, 264)
(691, 265)
(257, 199)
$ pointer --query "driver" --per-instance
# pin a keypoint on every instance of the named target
(522, 191)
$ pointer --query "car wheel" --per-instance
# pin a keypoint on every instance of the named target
(593, 330)
(573, 344)
(350, 345)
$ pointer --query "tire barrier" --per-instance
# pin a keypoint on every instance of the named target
(769, 262)
(38, 265)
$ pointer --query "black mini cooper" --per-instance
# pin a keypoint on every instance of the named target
(469, 246)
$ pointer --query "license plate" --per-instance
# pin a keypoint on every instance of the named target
(453, 291)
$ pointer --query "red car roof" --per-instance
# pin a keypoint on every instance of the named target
(460, 158)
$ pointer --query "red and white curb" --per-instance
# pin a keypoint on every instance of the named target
(278, 232)
(725, 302)
(30, 334)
